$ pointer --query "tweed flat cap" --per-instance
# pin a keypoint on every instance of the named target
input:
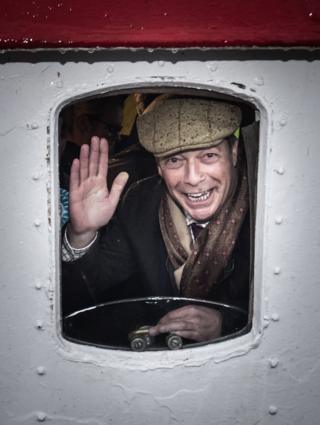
(171, 125)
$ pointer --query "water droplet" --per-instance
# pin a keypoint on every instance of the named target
(212, 68)
(280, 170)
(161, 63)
(266, 324)
(164, 13)
(283, 121)
(110, 69)
(174, 51)
(279, 220)
(150, 50)
(37, 222)
(58, 83)
(32, 126)
(259, 81)
(275, 317)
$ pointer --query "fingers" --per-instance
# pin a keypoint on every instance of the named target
(103, 158)
(74, 175)
(192, 322)
(117, 187)
(94, 159)
(94, 156)
(173, 326)
(84, 161)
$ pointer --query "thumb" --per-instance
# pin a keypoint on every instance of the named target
(117, 187)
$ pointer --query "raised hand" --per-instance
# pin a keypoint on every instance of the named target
(90, 202)
(192, 321)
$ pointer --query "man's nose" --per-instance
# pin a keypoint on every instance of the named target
(193, 174)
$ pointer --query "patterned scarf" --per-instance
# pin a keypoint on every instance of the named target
(200, 266)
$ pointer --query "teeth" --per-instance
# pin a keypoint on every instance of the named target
(198, 197)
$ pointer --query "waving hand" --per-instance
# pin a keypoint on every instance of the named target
(92, 205)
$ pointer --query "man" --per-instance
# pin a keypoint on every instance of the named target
(202, 183)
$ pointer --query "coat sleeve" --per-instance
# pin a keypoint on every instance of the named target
(108, 263)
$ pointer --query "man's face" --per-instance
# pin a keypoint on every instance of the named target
(200, 180)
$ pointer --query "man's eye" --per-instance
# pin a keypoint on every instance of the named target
(210, 156)
(173, 162)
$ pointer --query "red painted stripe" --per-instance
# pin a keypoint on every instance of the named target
(162, 23)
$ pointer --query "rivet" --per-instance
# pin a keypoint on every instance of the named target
(279, 220)
(37, 223)
(273, 410)
(41, 370)
(275, 317)
(41, 416)
(38, 285)
(273, 362)
(36, 176)
(277, 270)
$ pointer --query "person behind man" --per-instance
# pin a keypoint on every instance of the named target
(185, 232)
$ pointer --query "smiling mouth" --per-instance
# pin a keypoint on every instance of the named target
(200, 196)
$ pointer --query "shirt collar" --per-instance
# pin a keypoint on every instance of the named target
(190, 220)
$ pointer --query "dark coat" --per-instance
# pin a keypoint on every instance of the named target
(130, 258)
